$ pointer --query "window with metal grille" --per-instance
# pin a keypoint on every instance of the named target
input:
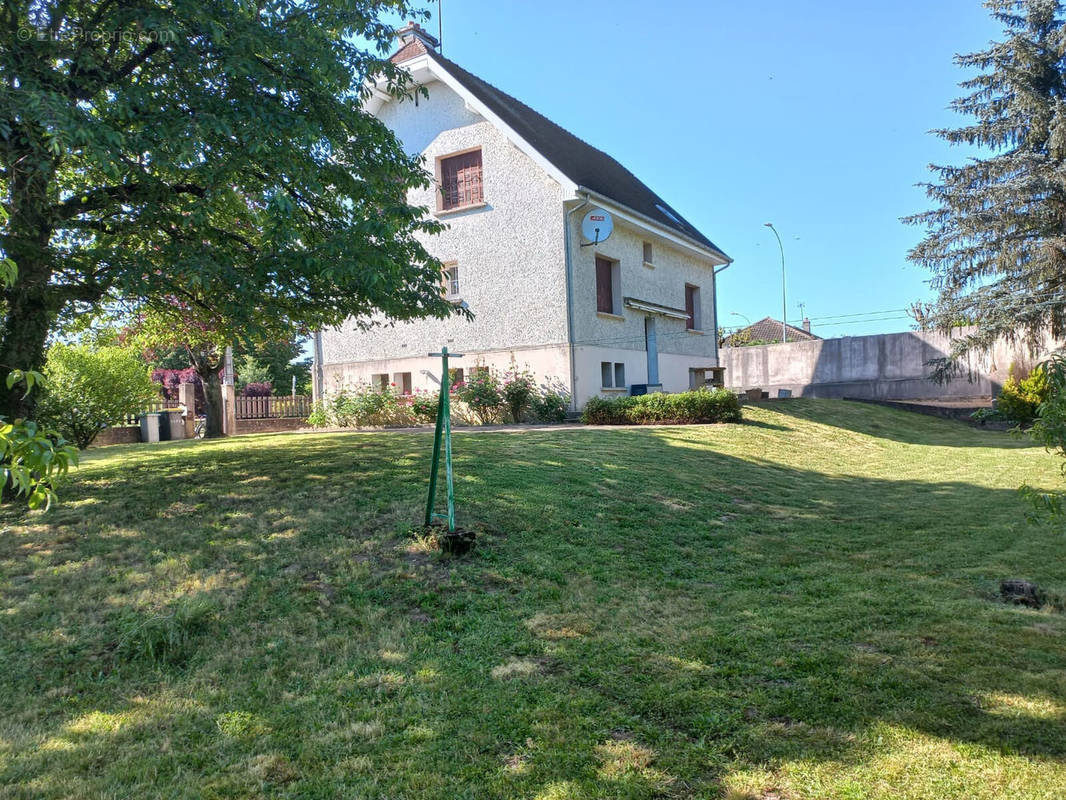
(460, 180)
(451, 281)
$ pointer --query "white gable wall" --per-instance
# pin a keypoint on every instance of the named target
(510, 256)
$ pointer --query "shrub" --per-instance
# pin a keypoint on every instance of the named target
(518, 391)
(87, 389)
(549, 405)
(1019, 401)
(424, 406)
(362, 406)
(700, 405)
(170, 379)
(257, 390)
(482, 393)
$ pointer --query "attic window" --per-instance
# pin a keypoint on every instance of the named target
(668, 213)
(459, 178)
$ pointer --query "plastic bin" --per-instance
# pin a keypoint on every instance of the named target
(150, 424)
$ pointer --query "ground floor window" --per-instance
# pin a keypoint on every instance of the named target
(697, 378)
(612, 375)
(455, 375)
(379, 381)
(403, 382)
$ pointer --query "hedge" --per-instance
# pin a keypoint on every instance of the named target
(683, 408)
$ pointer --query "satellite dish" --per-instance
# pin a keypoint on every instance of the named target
(597, 226)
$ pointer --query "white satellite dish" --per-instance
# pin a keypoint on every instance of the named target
(597, 226)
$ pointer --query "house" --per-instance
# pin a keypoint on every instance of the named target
(768, 331)
(513, 187)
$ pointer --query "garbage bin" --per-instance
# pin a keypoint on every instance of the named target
(150, 426)
(174, 423)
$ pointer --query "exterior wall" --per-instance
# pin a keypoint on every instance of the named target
(885, 366)
(620, 338)
(549, 364)
(509, 252)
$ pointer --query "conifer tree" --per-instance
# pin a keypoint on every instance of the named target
(996, 239)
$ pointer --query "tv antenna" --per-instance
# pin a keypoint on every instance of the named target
(597, 226)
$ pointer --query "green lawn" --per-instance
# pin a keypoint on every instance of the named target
(802, 606)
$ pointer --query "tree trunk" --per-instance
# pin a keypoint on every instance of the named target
(207, 368)
(27, 320)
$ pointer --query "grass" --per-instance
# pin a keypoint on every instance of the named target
(802, 606)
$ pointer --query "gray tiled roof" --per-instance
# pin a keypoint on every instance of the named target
(579, 161)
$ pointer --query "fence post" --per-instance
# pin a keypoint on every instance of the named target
(187, 398)
(229, 410)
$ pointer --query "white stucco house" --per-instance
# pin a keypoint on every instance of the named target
(513, 187)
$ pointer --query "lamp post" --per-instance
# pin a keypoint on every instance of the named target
(784, 305)
(743, 316)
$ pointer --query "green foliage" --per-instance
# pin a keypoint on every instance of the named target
(550, 405)
(993, 241)
(517, 388)
(1049, 430)
(363, 407)
(220, 151)
(166, 638)
(700, 405)
(1019, 401)
(87, 389)
(424, 406)
(483, 394)
(32, 460)
(248, 370)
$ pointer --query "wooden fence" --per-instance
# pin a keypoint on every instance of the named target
(273, 407)
(135, 419)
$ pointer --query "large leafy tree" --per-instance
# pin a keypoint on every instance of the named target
(213, 151)
(996, 238)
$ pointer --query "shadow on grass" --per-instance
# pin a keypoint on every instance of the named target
(719, 612)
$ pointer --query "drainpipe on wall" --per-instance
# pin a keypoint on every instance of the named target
(714, 287)
(570, 299)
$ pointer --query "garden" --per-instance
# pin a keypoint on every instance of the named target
(806, 604)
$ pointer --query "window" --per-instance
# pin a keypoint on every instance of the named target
(455, 376)
(649, 259)
(697, 378)
(403, 382)
(451, 281)
(460, 180)
(379, 382)
(612, 375)
(480, 371)
(608, 286)
(692, 307)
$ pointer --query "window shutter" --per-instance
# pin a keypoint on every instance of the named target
(461, 180)
(604, 290)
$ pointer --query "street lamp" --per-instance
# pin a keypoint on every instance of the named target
(735, 314)
(784, 305)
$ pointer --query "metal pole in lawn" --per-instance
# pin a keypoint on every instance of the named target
(443, 429)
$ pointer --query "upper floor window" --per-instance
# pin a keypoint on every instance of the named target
(608, 286)
(692, 307)
(460, 180)
(649, 259)
(451, 281)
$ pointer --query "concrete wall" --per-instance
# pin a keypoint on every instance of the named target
(885, 366)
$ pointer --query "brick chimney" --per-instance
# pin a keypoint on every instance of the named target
(414, 41)
(806, 325)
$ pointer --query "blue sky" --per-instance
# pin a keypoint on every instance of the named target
(811, 115)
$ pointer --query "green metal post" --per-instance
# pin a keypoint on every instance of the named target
(442, 428)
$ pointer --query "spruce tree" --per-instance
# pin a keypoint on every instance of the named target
(996, 239)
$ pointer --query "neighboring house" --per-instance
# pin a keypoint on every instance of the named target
(513, 187)
(768, 331)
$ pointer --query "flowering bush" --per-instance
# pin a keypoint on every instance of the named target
(518, 390)
(363, 406)
(424, 406)
(481, 392)
(170, 379)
